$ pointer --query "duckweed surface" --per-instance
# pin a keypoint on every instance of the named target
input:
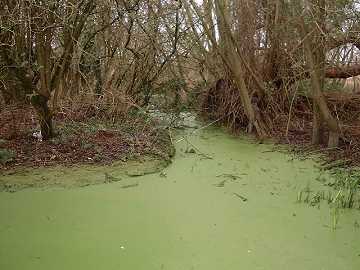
(223, 203)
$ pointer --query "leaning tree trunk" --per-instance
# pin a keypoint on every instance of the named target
(317, 75)
(226, 47)
(231, 57)
(40, 104)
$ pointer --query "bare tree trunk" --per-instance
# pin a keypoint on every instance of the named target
(318, 127)
(40, 104)
(234, 62)
(319, 67)
(273, 42)
(208, 19)
(208, 56)
(317, 81)
(98, 77)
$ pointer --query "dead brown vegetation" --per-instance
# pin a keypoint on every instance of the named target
(85, 135)
(289, 124)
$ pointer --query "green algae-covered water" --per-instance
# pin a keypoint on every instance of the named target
(224, 203)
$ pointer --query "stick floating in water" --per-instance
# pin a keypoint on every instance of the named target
(241, 197)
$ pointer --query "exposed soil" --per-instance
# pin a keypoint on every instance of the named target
(82, 137)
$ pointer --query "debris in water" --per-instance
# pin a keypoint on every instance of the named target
(85, 185)
(190, 151)
(109, 178)
(130, 186)
(233, 177)
(194, 150)
(241, 197)
(356, 225)
(221, 184)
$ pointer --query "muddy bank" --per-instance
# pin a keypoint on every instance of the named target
(45, 178)
(84, 153)
(83, 137)
(86, 171)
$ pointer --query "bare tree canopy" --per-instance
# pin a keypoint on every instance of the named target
(121, 51)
